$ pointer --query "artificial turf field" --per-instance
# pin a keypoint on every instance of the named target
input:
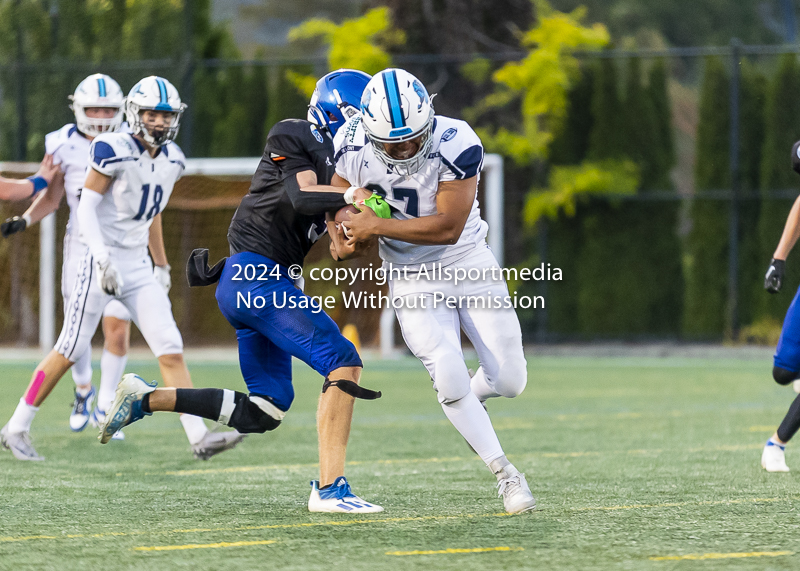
(634, 462)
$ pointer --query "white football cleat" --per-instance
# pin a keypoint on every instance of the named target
(99, 417)
(773, 459)
(20, 444)
(81, 409)
(215, 442)
(338, 498)
(127, 405)
(514, 490)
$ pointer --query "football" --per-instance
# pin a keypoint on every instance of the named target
(342, 215)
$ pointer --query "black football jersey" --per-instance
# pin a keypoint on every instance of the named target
(276, 219)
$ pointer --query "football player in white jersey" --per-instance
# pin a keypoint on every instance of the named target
(427, 168)
(128, 185)
(98, 105)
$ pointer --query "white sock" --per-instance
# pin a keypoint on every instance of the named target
(775, 443)
(472, 421)
(82, 369)
(480, 387)
(23, 417)
(111, 369)
(83, 390)
(194, 426)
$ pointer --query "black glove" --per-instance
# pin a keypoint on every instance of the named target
(774, 278)
(12, 226)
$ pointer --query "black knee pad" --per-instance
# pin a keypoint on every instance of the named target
(248, 417)
(783, 376)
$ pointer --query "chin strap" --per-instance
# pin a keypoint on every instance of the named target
(352, 389)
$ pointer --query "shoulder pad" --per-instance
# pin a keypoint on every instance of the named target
(458, 146)
(174, 153)
(351, 133)
(52, 141)
(109, 149)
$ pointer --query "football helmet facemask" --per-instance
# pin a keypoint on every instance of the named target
(155, 94)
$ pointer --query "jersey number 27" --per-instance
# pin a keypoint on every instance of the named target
(155, 208)
(409, 195)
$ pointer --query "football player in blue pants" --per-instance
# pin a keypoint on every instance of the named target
(786, 367)
(276, 224)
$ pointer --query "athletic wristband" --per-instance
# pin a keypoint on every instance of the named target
(39, 184)
(350, 194)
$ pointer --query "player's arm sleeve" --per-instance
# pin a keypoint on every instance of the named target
(312, 202)
(291, 151)
(462, 156)
(90, 224)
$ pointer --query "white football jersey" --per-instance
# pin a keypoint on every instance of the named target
(70, 150)
(140, 188)
(456, 154)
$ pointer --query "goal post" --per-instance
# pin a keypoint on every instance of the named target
(219, 183)
(239, 169)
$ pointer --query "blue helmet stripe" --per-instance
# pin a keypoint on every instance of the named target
(162, 89)
(393, 94)
(101, 86)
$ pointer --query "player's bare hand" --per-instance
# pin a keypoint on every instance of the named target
(361, 226)
(48, 170)
(361, 194)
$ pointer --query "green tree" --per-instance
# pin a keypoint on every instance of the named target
(357, 43)
(662, 139)
(707, 244)
(629, 256)
(607, 113)
(571, 142)
(751, 139)
(781, 116)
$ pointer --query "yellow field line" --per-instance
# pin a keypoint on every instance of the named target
(696, 556)
(343, 522)
(436, 460)
(762, 428)
(681, 504)
(452, 550)
(205, 545)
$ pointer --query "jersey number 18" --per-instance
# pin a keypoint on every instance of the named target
(158, 194)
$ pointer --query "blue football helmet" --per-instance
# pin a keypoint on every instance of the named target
(337, 98)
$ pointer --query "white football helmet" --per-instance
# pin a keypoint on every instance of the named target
(396, 107)
(97, 90)
(157, 94)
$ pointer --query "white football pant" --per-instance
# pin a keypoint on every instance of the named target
(433, 334)
(73, 250)
(142, 298)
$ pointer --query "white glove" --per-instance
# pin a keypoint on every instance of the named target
(161, 273)
(108, 278)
